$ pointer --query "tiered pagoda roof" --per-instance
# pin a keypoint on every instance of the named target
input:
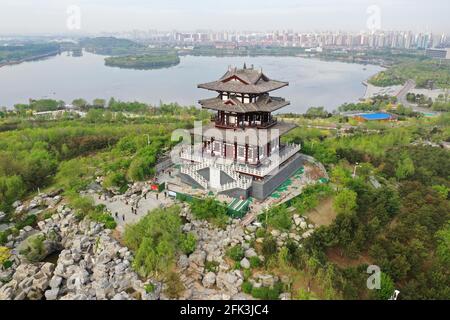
(235, 135)
(246, 80)
(264, 103)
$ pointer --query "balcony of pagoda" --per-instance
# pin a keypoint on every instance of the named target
(220, 123)
(260, 169)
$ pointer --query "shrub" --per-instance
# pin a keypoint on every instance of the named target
(3, 237)
(5, 254)
(277, 217)
(269, 247)
(174, 286)
(156, 239)
(255, 262)
(47, 215)
(28, 221)
(260, 233)
(33, 248)
(236, 253)
(247, 287)
(116, 179)
(188, 243)
(267, 293)
(387, 288)
(302, 294)
(211, 210)
(211, 266)
(7, 264)
(81, 204)
(150, 288)
(104, 218)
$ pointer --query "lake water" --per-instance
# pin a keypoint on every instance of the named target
(312, 82)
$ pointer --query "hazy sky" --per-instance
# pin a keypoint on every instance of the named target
(50, 16)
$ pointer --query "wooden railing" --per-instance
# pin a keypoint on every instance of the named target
(221, 124)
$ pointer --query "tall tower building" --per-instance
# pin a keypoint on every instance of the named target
(240, 152)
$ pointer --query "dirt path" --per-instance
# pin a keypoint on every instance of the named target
(323, 214)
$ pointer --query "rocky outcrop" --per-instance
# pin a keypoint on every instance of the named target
(300, 230)
(201, 279)
(92, 265)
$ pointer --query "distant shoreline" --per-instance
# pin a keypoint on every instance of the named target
(33, 58)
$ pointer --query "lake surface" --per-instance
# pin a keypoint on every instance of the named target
(312, 82)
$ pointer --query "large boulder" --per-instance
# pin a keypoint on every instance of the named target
(250, 253)
(51, 294)
(209, 280)
(245, 263)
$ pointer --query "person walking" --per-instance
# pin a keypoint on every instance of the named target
(123, 217)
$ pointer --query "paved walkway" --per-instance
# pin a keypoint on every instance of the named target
(125, 215)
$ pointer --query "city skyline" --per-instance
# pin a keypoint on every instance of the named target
(46, 16)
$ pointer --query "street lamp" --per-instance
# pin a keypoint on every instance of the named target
(354, 170)
(148, 138)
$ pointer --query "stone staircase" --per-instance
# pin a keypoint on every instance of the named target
(191, 170)
(239, 182)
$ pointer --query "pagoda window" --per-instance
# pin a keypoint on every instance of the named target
(252, 154)
(241, 152)
(217, 147)
(246, 98)
(225, 96)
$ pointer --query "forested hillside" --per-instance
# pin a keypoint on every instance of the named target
(401, 223)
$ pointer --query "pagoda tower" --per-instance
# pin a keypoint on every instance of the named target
(240, 152)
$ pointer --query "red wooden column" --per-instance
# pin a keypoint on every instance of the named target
(224, 149)
(246, 153)
(257, 153)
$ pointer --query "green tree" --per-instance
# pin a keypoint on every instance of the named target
(404, 168)
(441, 190)
(188, 243)
(345, 202)
(387, 287)
(99, 103)
(94, 115)
(12, 188)
(443, 247)
(80, 103)
(341, 176)
(156, 239)
(210, 209)
(277, 217)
